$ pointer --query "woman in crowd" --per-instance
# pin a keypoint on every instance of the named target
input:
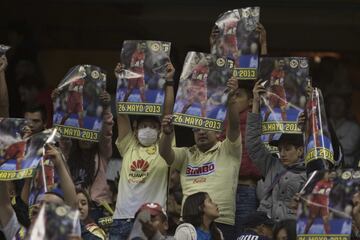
(199, 213)
(89, 230)
(285, 230)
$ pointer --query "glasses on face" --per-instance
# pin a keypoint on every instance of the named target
(196, 130)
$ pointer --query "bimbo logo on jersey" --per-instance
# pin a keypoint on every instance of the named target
(201, 170)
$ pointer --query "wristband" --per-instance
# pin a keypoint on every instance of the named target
(169, 83)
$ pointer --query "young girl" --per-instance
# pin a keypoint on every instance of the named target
(89, 230)
(199, 213)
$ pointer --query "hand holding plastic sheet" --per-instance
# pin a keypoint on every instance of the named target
(318, 145)
(77, 104)
(200, 99)
(141, 77)
(236, 36)
(20, 154)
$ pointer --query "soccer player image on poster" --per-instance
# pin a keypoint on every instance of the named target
(77, 105)
(20, 153)
(317, 136)
(285, 81)
(326, 202)
(201, 96)
(239, 41)
(140, 84)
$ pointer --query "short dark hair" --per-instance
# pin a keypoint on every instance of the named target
(37, 108)
(142, 118)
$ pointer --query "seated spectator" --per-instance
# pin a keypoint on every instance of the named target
(199, 213)
(284, 176)
(257, 226)
(89, 229)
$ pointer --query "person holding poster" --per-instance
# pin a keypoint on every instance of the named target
(143, 176)
(8, 220)
(210, 164)
(284, 176)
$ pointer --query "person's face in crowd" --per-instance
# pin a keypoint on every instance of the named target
(44, 198)
(204, 139)
(281, 235)
(356, 198)
(83, 206)
(264, 230)
(337, 107)
(289, 154)
(174, 178)
(86, 144)
(211, 210)
(35, 121)
(244, 99)
(147, 132)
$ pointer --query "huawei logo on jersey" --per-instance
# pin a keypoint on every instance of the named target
(139, 165)
(204, 169)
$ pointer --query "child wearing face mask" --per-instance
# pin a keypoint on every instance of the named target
(143, 175)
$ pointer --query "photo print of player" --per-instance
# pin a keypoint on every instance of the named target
(140, 84)
(20, 153)
(317, 136)
(326, 202)
(239, 41)
(201, 96)
(77, 105)
(285, 80)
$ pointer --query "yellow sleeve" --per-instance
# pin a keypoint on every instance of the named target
(180, 157)
(124, 144)
(233, 148)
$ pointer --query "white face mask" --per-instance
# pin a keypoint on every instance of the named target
(147, 136)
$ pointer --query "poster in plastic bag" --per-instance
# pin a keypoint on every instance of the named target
(140, 84)
(77, 107)
(56, 222)
(326, 205)
(239, 41)
(201, 96)
(20, 152)
(3, 49)
(317, 136)
(285, 80)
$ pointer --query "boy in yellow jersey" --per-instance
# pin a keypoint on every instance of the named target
(210, 166)
(143, 176)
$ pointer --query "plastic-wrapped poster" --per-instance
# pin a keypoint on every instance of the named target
(77, 107)
(201, 96)
(140, 85)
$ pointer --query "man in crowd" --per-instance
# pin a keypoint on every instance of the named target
(210, 164)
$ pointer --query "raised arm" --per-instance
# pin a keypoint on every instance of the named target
(106, 131)
(165, 142)
(67, 185)
(169, 90)
(258, 153)
(4, 98)
(262, 38)
(233, 106)
(123, 121)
